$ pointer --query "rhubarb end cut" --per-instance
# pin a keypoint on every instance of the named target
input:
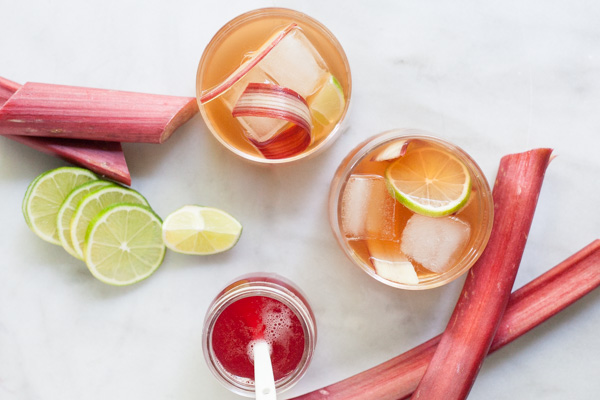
(7, 88)
(183, 115)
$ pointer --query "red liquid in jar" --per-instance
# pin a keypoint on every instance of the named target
(253, 318)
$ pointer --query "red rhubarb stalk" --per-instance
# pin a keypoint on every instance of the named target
(527, 308)
(267, 100)
(477, 314)
(7, 89)
(58, 111)
(104, 158)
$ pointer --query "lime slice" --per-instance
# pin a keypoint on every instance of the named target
(67, 209)
(95, 202)
(123, 244)
(200, 230)
(429, 181)
(329, 102)
(45, 195)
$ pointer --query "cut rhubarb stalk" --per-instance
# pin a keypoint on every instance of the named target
(288, 143)
(7, 89)
(390, 263)
(104, 158)
(246, 66)
(267, 100)
(472, 326)
(57, 111)
(527, 308)
(393, 151)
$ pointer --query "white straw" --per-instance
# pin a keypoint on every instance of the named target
(264, 383)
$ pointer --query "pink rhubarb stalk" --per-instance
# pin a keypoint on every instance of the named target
(527, 308)
(58, 111)
(477, 314)
(104, 158)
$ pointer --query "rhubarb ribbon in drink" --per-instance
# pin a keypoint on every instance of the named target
(272, 101)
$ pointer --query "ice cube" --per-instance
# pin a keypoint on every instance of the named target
(390, 263)
(434, 242)
(257, 128)
(368, 209)
(296, 64)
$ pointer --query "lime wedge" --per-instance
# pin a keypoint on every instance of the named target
(67, 209)
(429, 181)
(95, 202)
(200, 230)
(328, 104)
(123, 244)
(45, 195)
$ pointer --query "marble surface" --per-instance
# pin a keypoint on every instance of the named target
(493, 77)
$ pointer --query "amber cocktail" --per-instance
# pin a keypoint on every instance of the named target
(412, 210)
(274, 85)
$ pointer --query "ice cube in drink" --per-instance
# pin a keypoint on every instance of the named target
(435, 243)
(368, 209)
(296, 64)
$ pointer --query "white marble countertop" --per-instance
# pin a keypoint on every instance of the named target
(493, 77)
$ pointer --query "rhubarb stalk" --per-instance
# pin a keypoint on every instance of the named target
(527, 308)
(58, 111)
(104, 158)
(477, 314)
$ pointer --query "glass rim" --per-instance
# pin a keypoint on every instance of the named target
(241, 19)
(358, 153)
(291, 297)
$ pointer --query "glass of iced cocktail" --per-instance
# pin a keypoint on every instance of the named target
(412, 210)
(259, 307)
(273, 86)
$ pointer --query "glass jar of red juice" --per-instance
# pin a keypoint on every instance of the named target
(259, 307)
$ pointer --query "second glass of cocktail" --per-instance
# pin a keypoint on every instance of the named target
(412, 210)
(273, 86)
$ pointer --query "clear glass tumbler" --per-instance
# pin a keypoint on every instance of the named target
(389, 241)
(305, 64)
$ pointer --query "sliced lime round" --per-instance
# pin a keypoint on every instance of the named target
(45, 195)
(67, 209)
(429, 181)
(95, 202)
(123, 244)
